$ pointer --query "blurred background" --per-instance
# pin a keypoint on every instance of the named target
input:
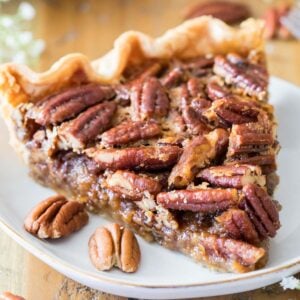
(38, 32)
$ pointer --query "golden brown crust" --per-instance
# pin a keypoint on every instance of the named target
(200, 36)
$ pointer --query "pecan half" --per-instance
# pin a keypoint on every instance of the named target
(228, 12)
(239, 255)
(77, 133)
(216, 91)
(141, 158)
(232, 111)
(267, 162)
(149, 99)
(199, 200)
(197, 154)
(252, 78)
(130, 131)
(132, 186)
(199, 66)
(249, 138)
(261, 210)
(234, 176)
(141, 72)
(192, 114)
(238, 225)
(195, 88)
(172, 78)
(56, 217)
(67, 104)
(113, 245)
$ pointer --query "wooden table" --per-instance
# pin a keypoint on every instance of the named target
(90, 27)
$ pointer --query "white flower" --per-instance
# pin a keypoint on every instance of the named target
(20, 57)
(37, 47)
(10, 41)
(6, 21)
(26, 11)
(25, 37)
(290, 283)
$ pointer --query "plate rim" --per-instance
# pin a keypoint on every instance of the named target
(53, 260)
(48, 257)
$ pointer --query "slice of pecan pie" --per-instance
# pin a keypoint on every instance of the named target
(171, 136)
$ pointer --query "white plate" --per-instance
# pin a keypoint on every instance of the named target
(163, 274)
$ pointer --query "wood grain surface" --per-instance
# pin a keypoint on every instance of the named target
(91, 27)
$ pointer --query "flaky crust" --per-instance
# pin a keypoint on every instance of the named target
(200, 36)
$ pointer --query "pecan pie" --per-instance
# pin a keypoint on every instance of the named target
(173, 137)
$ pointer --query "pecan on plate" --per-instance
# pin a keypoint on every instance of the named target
(199, 200)
(132, 186)
(249, 138)
(251, 78)
(141, 158)
(149, 99)
(231, 111)
(113, 245)
(130, 131)
(77, 133)
(229, 12)
(215, 91)
(261, 210)
(233, 176)
(240, 256)
(237, 225)
(197, 154)
(67, 104)
(56, 217)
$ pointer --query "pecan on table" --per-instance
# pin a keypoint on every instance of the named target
(149, 99)
(67, 104)
(77, 133)
(232, 176)
(238, 226)
(232, 111)
(197, 154)
(261, 210)
(228, 12)
(130, 131)
(140, 158)
(215, 91)
(240, 256)
(132, 186)
(199, 200)
(56, 217)
(249, 138)
(251, 78)
(113, 245)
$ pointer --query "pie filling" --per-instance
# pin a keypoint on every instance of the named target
(183, 152)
